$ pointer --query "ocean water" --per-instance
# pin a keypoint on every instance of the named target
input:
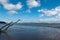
(20, 32)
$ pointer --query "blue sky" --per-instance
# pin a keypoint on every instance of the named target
(30, 10)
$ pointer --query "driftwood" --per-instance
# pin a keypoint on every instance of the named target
(5, 27)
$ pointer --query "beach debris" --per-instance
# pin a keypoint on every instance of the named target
(5, 27)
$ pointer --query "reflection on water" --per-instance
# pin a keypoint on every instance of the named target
(5, 36)
(18, 32)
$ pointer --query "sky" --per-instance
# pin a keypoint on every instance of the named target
(40, 11)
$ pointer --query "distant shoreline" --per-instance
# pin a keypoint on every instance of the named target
(1, 22)
(54, 25)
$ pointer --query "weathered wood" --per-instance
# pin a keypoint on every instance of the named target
(11, 25)
(5, 25)
(8, 25)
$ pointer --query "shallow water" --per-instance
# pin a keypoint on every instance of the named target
(20, 32)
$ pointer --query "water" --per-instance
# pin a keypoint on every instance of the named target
(20, 32)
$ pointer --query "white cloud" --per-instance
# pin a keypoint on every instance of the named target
(50, 20)
(18, 6)
(32, 3)
(3, 1)
(50, 12)
(57, 8)
(12, 12)
(39, 10)
(55, 11)
(41, 15)
(28, 11)
(11, 7)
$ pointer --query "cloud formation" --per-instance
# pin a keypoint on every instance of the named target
(12, 12)
(50, 20)
(50, 12)
(55, 11)
(9, 6)
(32, 3)
(3, 1)
(12, 6)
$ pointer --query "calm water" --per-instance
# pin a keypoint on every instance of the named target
(20, 32)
